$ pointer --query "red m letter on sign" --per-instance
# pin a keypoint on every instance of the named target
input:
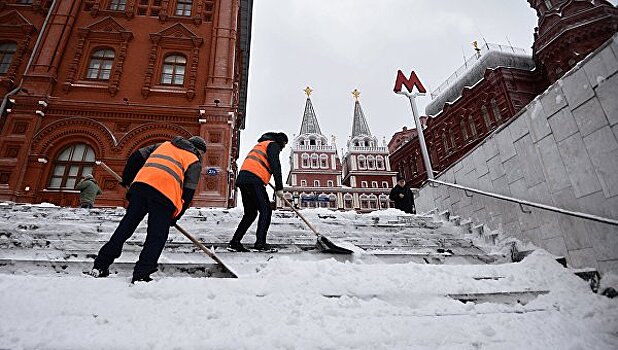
(409, 83)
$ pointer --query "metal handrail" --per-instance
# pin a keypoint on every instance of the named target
(531, 204)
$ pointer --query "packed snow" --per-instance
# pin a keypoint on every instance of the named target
(285, 302)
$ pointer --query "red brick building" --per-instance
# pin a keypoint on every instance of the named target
(318, 178)
(568, 31)
(498, 81)
(98, 79)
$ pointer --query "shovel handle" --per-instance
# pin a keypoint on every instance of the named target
(109, 170)
(297, 212)
(204, 249)
(180, 229)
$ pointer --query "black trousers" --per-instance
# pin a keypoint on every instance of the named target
(254, 200)
(160, 218)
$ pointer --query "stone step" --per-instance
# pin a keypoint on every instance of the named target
(510, 297)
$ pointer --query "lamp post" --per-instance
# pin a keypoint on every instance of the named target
(410, 83)
(295, 198)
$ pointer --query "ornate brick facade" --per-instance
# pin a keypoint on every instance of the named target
(317, 177)
(109, 77)
(568, 30)
(486, 94)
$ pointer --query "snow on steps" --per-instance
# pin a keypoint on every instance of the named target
(64, 240)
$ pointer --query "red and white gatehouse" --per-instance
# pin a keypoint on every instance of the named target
(318, 178)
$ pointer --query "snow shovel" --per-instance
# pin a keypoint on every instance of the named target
(181, 230)
(324, 244)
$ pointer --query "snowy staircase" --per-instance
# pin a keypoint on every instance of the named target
(41, 240)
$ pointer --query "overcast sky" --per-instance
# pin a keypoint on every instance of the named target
(336, 46)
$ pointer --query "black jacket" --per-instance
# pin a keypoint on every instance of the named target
(406, 203)
(272, 151)
(192, 175)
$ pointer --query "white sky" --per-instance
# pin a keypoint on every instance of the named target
(337, 46)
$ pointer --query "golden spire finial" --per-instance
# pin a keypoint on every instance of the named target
(356, 94)
(308, 91)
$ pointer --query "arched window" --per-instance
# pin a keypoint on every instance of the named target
(362, 163)
(316, 183)
(464, 130)
(373, 202)
(445, 143)
(371, 162)
(305, 162)
(472, 126)
(73, 162)
(330, 183)
(380, 162)
(347, 201)
(7, 51)
(312, 141)
(332, 201)
(364, 201)
(486, 118)
(173, 72)
(314, 161)
(101, 63)
(384, 201)
(495, 109)
(413, 165)
(384, 184)
(117, 5)
(364, 184)
(374, 184)
(303, 183)
(183, 8)
(323, 161)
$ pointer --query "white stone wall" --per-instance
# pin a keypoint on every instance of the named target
(561, 150)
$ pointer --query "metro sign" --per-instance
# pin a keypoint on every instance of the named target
(410, 83)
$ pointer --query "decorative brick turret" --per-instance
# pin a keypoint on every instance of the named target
(568, 30)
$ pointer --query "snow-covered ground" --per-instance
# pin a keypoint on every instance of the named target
(290, 303)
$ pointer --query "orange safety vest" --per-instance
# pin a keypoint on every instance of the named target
(257, 162)
(165, 171)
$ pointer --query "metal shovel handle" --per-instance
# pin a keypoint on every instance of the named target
(297, 212)
(180, 229)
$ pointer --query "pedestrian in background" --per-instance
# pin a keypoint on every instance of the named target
(261, 163)
(403, 197)
(162, 179)
(88, 191)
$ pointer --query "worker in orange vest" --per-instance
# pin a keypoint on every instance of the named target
(261, 162)
(162, 179)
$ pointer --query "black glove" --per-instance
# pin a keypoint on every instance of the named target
(173, 222)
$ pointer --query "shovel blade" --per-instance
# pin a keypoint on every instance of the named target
(327, 246)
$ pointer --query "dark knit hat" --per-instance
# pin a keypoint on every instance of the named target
(198, 142)
(281, 138)
(400, 177)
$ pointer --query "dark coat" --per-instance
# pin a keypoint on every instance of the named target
(88, 190)
(406, 203)
(272, 151)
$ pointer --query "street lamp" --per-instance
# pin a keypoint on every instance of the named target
(410, 83)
